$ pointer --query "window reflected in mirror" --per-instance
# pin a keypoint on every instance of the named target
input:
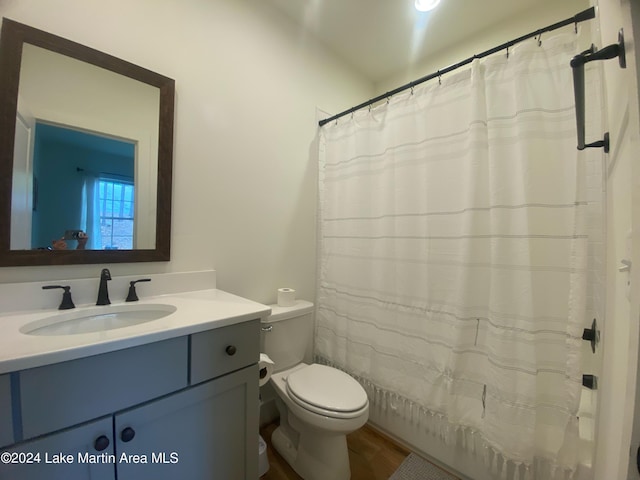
(116, 215)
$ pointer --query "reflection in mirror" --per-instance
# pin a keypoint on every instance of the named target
(86, 142)
(83, 98)
(85, 183)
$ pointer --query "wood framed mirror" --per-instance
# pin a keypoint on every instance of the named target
(86, 144)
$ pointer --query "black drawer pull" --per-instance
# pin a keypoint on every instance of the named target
(127, 434)
(231, 350)
(101, 443)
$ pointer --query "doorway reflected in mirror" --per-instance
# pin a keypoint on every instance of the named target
(85, 182)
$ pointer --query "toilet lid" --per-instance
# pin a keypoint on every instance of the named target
(327, 388)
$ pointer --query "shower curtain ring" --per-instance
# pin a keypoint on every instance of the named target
(412, 87)
(507, 52)
(540, 40)
(439, 78)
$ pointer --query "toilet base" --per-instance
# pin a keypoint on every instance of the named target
(314, 445)
(284, 446)
(316, 456)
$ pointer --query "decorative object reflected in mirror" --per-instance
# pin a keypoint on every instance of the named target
(86, 146)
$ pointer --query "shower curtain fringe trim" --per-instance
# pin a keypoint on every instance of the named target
(469, 439)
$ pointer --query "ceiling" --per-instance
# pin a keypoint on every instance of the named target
(391, 35)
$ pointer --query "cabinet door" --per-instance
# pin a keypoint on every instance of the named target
(206, 432)
(86, 452)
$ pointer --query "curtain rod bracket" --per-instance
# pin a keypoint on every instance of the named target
(611, 51)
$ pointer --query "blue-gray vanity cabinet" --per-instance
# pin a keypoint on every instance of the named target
(78, 442)
(6, 412)
(206, 432)
(191, 400)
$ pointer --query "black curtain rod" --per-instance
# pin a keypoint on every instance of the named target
(587, 14)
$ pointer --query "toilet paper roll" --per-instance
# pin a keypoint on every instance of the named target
(266, 368)
(286, 297)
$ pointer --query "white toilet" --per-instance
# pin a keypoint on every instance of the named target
(318, 405)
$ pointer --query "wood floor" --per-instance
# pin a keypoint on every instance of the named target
(372, 456)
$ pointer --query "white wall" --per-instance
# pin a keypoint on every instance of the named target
(502, 32)
(247, 86)
(620, 329)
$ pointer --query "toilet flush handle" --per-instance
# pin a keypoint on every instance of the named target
(268, 328)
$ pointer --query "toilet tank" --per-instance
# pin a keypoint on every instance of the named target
(287, 334)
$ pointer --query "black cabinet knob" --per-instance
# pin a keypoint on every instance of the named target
(101, 443)
(127, 434)
(231, 350)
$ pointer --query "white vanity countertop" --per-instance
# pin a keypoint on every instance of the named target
(195, 312)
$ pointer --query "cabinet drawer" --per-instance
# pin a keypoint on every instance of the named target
(63, 394)
(6, 412)
(222, 350)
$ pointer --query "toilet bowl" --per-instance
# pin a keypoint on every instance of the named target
(318, 405)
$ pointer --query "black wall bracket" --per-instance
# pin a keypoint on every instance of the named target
(590, 382)
(592, 335)
(577, 64)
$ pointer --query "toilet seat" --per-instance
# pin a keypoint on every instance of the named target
(327, 391)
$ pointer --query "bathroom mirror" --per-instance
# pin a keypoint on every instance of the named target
(86, 144)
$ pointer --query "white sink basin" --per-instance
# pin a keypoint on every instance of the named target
(97, 319)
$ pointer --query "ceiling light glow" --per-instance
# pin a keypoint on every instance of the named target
(426, 5)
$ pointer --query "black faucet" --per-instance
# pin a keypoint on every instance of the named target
(103, 291)
(67, 302)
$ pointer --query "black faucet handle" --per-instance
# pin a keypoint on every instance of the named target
(133, 296)
(67, 302)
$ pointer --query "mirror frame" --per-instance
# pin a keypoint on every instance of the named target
(12, 38)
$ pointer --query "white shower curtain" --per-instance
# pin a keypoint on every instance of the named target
(455, 250)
